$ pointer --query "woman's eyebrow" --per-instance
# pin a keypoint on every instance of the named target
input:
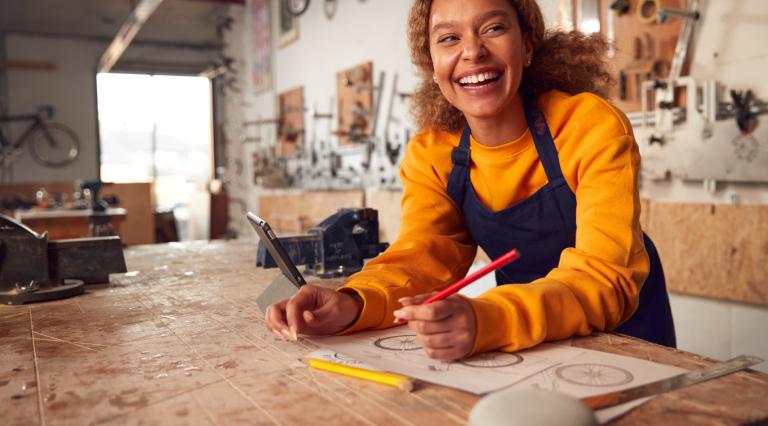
(441, 25)
(484, 17)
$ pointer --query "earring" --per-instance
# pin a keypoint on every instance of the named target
(434, 77)
(528, 64)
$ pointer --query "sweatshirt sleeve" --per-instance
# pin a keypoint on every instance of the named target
(596, 283)
(432, 250)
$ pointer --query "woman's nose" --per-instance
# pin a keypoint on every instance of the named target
(474, 49)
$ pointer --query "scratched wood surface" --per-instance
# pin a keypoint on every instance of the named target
(179, 340)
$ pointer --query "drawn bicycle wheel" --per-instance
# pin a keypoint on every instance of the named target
(54, 145)
(492, 360)
(403, 342)
(594, 375)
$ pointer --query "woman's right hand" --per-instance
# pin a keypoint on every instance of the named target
(313, 310)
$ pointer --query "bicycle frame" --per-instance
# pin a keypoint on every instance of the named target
(36, 122)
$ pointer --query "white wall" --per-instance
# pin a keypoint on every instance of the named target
(720, 330)
(70, 88)
(376, 30)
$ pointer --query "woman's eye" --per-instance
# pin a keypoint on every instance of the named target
(447, 38)
(495, 28)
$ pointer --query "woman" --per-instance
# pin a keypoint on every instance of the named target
(515, 152)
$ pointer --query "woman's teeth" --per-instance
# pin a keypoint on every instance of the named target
(479, 78)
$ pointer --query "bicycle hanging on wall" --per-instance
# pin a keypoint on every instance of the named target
(50, 144)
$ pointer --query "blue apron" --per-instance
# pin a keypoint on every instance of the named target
(543, 225)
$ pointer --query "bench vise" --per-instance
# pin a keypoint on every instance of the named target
(33, 269)
(335, 247)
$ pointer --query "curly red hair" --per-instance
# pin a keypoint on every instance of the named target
(571, 62)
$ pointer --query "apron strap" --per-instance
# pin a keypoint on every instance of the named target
(457, 180)
(542, 138)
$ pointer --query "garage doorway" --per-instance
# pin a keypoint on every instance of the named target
(158, 128)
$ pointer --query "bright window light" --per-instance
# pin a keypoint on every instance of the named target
(158, 129)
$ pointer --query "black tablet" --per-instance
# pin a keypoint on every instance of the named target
(277, 251)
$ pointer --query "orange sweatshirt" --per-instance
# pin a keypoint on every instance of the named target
(596, 284)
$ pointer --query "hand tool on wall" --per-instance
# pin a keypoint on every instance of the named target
(746, 109)
(393, 150)
(681, 49)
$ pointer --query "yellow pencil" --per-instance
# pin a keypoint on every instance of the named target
(401, 382)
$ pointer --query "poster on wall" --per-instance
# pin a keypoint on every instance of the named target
(262, 46)
(288, 30)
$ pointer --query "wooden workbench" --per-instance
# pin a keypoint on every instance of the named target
(179, 340)
(62, 224)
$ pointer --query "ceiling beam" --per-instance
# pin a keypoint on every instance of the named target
(143, 10)
(168, 44)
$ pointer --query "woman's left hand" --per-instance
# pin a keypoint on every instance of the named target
(446, 329)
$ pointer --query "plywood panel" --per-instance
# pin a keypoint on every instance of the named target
(281, 211)
(136, 199)
(717, 251)
(290, 127)
(388, 205)
(317, 205)
(354, 88)
(295, 213)
(644, 50)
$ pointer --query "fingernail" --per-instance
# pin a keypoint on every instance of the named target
(310, 316)
(399, 321)
(286, 334)
(399, 313)
(294, 334)
(278, 334)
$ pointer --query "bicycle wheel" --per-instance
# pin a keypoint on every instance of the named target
(54, 145)
(296, 7)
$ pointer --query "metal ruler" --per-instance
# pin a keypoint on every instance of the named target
(676, 382)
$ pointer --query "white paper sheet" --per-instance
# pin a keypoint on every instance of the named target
(397, 350)
(594, 373)
(552, 366)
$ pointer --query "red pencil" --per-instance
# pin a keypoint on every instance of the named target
(502, 260)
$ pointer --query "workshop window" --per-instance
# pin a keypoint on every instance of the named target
(157, 128)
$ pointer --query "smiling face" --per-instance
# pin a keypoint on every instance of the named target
(478, 53)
